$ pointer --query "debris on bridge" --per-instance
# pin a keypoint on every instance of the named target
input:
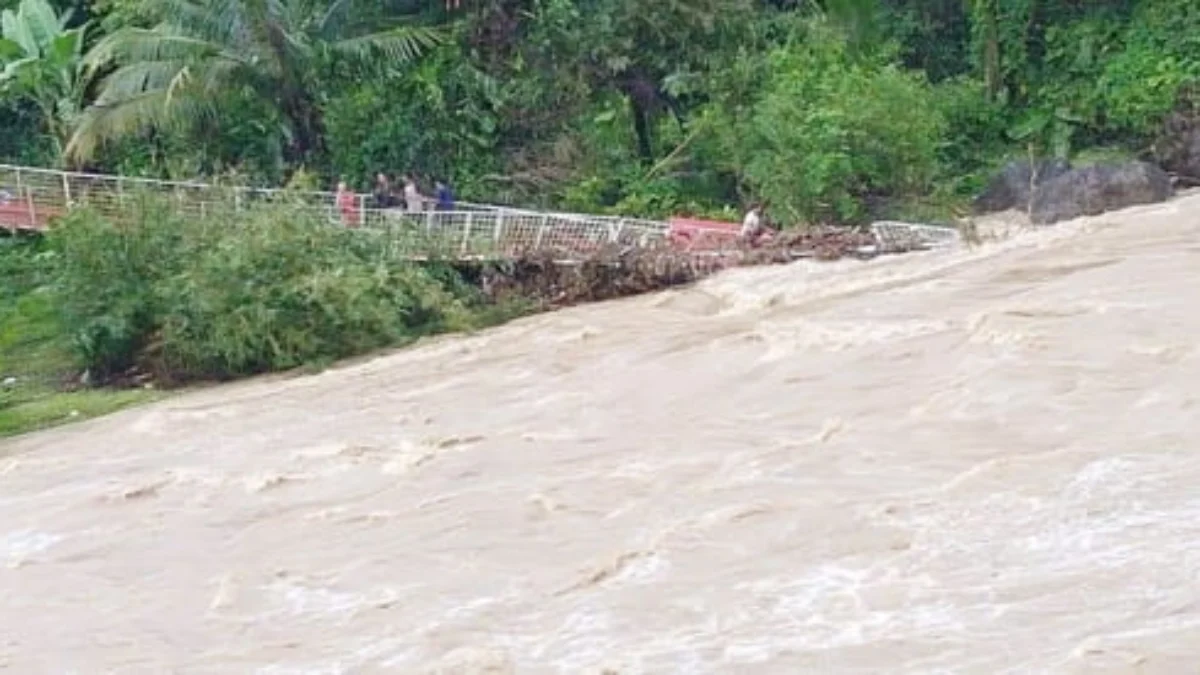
(551, 281)
(553, 259)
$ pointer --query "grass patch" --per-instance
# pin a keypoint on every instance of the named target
(38, 371)
(41, 408)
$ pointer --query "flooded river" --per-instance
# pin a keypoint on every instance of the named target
(979, 461)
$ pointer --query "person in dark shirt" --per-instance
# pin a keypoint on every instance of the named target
(445, 198)
(384, 199)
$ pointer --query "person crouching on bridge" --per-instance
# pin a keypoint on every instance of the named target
(347, 205)
(754, 226)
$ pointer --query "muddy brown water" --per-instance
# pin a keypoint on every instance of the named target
(977, 461)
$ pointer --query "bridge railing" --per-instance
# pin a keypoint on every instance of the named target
(466, 234)
(30, 197)
(892, 235)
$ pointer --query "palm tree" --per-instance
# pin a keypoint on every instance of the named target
(210, 54)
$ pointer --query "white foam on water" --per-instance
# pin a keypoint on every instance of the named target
(19, 546)
(971, 461)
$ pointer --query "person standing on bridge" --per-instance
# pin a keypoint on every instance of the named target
(445, 198)
(384, 197)
(347, 204)
(414, 202)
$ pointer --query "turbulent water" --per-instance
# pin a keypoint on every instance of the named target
(976, 461)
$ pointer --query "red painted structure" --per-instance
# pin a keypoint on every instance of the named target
(693, 234)
(24, 216)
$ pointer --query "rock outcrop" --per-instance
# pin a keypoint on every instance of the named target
(1178, 146)
(1093, 190)
(1012, 187)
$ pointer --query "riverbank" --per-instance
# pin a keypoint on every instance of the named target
(40, 382)
(97, 318)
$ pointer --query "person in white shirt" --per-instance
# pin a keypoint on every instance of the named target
(753, 227)
(413, 200)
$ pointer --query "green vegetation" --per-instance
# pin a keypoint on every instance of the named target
(237, 293)
(39, 375)
(835, 110)
(157, 299)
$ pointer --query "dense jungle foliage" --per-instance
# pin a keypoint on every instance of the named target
(831, 110)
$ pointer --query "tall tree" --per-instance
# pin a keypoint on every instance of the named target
(650, 53)
(208, 55)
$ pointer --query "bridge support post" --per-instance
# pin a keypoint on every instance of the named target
(33, 224)
(614, 232)
(66, 186)
(498, 232)
(466, 239)
(541, 231)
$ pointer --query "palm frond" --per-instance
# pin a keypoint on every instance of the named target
(138, 78)
(398, 45)
(155, 109)
(270, 52)
(219, 21)
(333, 16)
(130, 45)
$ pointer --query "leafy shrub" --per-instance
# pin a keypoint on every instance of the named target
(975, 134)
(831, 129)
(271, 287)
(385, 124)
(1161, 53)
(1110, 76)
(107, 275)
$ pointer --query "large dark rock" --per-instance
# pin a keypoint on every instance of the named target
(1092, 190)
(1178, 146)
(1010, 189)
(1185, 160)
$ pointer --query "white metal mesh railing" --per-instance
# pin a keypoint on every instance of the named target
(30, 197)
(500, 233)
(900, 236)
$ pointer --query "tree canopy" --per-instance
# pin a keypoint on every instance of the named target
(834, 109)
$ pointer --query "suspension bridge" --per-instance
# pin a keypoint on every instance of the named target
(31, 198)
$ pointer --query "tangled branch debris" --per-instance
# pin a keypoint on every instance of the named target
(546, 278)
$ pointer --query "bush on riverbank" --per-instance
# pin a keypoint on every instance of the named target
(38, 372)
(160, 298)
(236, 293)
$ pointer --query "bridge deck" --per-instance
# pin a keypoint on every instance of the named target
(31, 198)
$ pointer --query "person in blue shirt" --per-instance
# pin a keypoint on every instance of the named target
(445, 198)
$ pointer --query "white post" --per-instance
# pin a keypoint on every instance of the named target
(66, 185)
(541, 231)
(32, 209)
(616, 230)
(498, 232)
(466, 233)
